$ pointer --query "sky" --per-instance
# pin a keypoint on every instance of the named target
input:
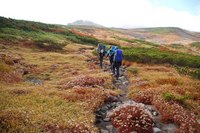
(110, 13)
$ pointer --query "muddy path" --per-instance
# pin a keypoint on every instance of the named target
(103, 114)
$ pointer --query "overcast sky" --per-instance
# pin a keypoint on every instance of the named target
(110, 13)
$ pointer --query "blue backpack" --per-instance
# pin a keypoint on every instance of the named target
(112, 50)
(118, 55)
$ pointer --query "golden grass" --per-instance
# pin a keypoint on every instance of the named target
(25, 107)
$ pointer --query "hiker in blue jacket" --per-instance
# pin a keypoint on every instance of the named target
(101, 49)
(111, 53)
(117, 62)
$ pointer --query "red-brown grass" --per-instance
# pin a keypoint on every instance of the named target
(172, 81)
(85, 81)
(126, 63)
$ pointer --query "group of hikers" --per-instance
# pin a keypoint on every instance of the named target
(115, 56)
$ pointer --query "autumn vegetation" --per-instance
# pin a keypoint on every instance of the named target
(48, 84)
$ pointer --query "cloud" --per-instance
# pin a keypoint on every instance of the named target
(112, 13)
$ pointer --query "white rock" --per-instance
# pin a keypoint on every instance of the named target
(156, 130)
(104, 131)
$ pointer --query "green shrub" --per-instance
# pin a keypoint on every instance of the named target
(177, 45)
(155, 55)
(138, 42)
(173, 97)
(195, 73)
(196, 44)
(168, 96)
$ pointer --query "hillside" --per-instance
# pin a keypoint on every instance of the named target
(84, 23)
(163, 35)
(50, 81)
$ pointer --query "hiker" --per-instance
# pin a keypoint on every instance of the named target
(111, 53)
(117, 61)
(101, 49)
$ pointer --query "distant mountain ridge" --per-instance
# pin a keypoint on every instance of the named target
(84, 23)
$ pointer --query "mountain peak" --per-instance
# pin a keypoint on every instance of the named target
(84, 23)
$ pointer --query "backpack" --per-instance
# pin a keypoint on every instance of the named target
(112, 50)
(118, 55)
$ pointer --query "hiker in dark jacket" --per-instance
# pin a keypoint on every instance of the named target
(101, 49)
(117, 62)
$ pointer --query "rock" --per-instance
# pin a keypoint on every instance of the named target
(16, 60)
(35, 81)
(104, 131)
(109, 127)
(105, 108)
(154, 113)
(102, 113)
(25, 72)
(98, 116)
(125, 83)
(156, 130)
(149, 108)
(98, 121)
(112, 99)
(169, 127)
(54, 66)
(122, 77)
(106, 119)
(118, 83)
(109, 106)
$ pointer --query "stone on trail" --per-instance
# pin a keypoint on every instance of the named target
(106, 119)
(156, 130)
(105, 108)
(109, 127)
(104, 131)
(154, 113)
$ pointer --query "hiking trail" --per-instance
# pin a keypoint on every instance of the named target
(103, 122)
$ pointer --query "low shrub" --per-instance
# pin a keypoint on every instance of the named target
(158, 56)
(172, 81)
(195, 73)
(174, 97)
(132, 118)
(177, 45)
(85, 81)
(145, 97)
(91, 98)
(195, 44)
(175, 113)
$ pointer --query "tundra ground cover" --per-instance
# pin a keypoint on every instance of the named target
(175, 96)
(26, 106)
